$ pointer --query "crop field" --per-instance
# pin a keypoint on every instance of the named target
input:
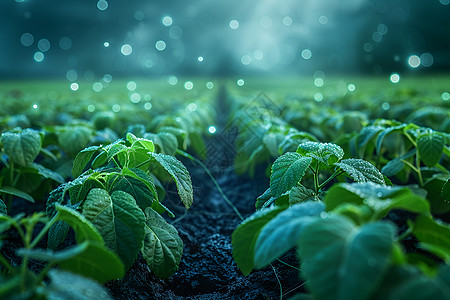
(225, 189)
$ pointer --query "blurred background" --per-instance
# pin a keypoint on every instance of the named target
(88, 40)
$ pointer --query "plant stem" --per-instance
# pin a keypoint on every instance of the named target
(405, 234)
(316, 178)
(335, 174)
(44, 230)
(199, 162)
(6, 264)
(418, 169)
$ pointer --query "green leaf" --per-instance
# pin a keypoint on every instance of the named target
(326, 153)
(21, 147)
(430, 146)
(47, 173)
(299, 194)
(137, 188)
(385, 132)
(179, 174)
(89, 259)
(3, 208)
(163, 246)
(392, 167)
(434, 236)
(342, 261)
(244, 237)
(287, 171)
(445, 192)
(74, 138)
(15, 192)
(282, 232)
(381, 199)
(57, 234)
(144, 143)
(361, 170)
(119, 220)
(439, 200)
(84, 230)
(82, 159)
(68, 286)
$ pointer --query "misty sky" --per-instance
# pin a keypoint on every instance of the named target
(70, 38)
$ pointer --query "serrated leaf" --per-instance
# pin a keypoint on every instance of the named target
(15, 192)
(162, 247)
(299, 194)
(342, 261)
(82, 159)
(287, 171)
(68, 286)
(361, 170)
(326, 153)
(434, 236)
(119, 220)
(282, 232)
(179, 174)
(21, 147)
(144, 143)
(430, 146)
(244, 237)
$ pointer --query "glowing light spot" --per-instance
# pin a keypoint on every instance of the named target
(107, 78)
(323, 20)
(351, 87)
(102, 5)
(287, 21)
(148, 105)
(27, 39)
(426, 59)
(131, 86)
(160, 45)
(74, 86)
(147, 97)
(318, 97)
(173, 80)
(126, 49)
(39, 56)
(265, 22)
(209, 85)
(35, 106)
(167, 21)
(258, 54)
(234, 24)
(97, 87)
(306, 54)
(212, 129)
(445, 96)
(106, 44)
(188, 85)
(383, 29)
(240, 82)
(246, 60)
(148, 63)
(91, 108)
(377, 37)
(72, 75)
(445, 2)
(395, 78)
(200, 58)
(44, 45)
(192, 107)
(414, 61)
(385, 106)
(318, 82)
(65, 43)
(135, 98)
(368, 47)
(116, 108)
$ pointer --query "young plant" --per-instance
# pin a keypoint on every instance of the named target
(21, 175)
(89, 258)
(118, 195)
(289, 169)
